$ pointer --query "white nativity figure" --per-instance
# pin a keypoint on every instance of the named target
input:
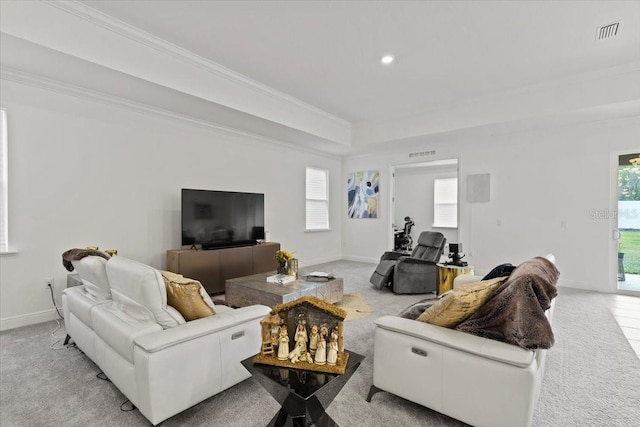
(283, 344)
(313, 340)
(295, 354)
(301, 335)
(332, 353)
(321, 352)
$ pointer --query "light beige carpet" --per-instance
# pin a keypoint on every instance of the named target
(591, 375)
(355, 306)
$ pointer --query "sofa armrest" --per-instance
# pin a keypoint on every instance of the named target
(410, 260)
(462, 341)
(392, 256)
(161, 340)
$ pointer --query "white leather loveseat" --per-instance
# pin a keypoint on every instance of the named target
(160, 362)
(479, 381)
(78, 301)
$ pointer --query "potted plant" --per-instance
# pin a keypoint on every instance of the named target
(282, 257)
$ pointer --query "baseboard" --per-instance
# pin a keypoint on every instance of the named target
(27, 319)
(317, 261)
(578, 284)
(361, 259)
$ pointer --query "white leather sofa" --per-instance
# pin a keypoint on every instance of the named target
(476, 380)
(78, 301)
(120, 318)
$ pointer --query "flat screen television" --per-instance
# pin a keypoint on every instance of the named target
(221, 219)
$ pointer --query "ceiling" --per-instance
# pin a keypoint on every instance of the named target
(328, 53)
(455, 60)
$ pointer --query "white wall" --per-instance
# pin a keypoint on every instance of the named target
(89, 173)
(545, 185)
(413, 194)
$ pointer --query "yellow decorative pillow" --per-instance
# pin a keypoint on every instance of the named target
(185, 296)
(458, 304)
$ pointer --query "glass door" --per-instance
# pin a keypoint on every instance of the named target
(628, 231)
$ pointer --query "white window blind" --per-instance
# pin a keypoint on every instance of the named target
(4, 185)
(445, 202)
(317, 209)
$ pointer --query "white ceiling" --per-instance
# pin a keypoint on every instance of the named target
(327, 53)
(308, 72)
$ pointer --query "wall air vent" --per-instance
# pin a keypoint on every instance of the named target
(608, 31)
(422, 153)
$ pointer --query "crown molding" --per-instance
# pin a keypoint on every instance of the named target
(121, 28)
(40, 82)
(564, 97)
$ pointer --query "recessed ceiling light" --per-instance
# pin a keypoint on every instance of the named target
(387, 59)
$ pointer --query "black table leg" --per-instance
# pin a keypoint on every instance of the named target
(373, 390)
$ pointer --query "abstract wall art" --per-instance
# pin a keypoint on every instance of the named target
(362, 194)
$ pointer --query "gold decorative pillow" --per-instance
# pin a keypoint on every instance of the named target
(458, 304)
(185, 295)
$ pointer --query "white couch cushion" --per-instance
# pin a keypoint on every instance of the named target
(139, 290)
(80, 302)
(93, 273)
(118, 330)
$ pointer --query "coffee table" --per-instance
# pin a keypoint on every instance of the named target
(250, 290)
(304, 396)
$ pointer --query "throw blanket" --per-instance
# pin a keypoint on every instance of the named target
(78, 254)
(515, 313)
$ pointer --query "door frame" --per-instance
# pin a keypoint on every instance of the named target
(613, 223)
(392, 190)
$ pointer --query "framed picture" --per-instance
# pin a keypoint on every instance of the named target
(362, 194)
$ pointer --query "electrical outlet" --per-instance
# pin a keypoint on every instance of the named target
(48, 283)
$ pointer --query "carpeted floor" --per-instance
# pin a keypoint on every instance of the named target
(355, 306)
(591, 378)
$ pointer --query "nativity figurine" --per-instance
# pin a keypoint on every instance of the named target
(283, 344)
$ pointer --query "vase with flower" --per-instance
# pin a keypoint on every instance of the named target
(281, 258)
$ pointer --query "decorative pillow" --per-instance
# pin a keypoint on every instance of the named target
(503, 270)
(186, 296)
(458, 304)
(416, 309)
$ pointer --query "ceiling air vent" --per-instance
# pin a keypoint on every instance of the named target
(608, 31)
(423, 153)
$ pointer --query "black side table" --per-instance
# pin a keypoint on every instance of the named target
(303, 395)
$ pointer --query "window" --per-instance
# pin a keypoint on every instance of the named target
(4, 185)
(445, 202)
(317, 200)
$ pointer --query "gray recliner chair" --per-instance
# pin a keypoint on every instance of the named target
(412, 274)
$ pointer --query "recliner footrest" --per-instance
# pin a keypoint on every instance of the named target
(383, 274)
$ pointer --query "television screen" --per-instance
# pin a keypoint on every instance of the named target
(219, 219)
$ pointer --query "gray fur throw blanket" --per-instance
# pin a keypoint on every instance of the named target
(515, 314)
(78, 254)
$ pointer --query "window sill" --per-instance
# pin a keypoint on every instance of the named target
(317, 230)
(8, 253)
(444, 226)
